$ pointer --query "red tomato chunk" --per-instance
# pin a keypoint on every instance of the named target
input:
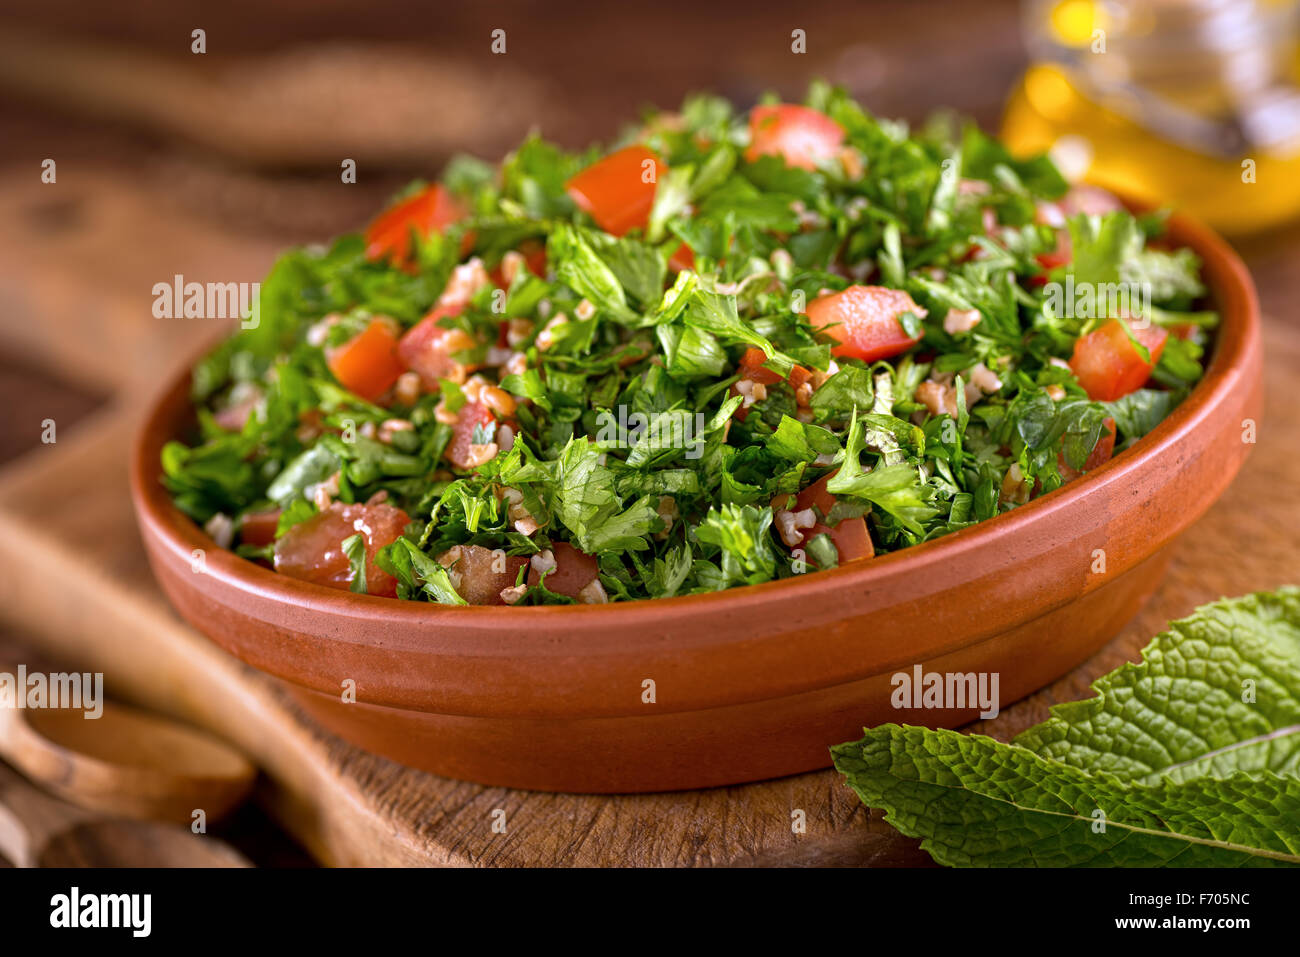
(801, 136)
(312, 550)
(428, 211)
(619, 190)
(1108, 364)
(368, 363)
(865, 321)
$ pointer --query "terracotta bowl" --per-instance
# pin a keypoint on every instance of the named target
(739, 685)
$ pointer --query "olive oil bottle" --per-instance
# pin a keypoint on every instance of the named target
(1190, 103)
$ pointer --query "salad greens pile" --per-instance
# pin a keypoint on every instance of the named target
(943, 212)
(1190, 758)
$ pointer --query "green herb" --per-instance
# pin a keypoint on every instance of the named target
(1190, 758)
(354, 547)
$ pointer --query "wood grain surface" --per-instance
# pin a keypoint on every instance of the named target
(73, 573)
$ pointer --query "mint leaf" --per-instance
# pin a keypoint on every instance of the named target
(977, 802)
(1190, 758)
(1217, 692)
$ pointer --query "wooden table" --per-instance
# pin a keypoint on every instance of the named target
(76, 271)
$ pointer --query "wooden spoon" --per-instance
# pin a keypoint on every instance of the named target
(126, 762)
(39, 831)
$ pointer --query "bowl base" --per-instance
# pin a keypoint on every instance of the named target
(788, 735)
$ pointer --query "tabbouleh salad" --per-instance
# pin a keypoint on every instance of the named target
(736, 348)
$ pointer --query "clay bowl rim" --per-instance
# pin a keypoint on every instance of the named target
(434, 630)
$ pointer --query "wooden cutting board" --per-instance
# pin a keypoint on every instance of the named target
(73, 575)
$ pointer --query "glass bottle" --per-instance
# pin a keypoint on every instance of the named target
(1189, 103)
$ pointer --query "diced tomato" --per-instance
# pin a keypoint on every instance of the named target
(368, 363)
(865, 321)
(619, 190)
(1108, 365)
(1105, 447)
(850, 536)
(752, 367)
(479, 574)
(312, 550)
(803, 137)
(574, 571)
(682, 258)
(1100, 454)
(258, 528)
(428, 211)
(459, 451)
(428, 349)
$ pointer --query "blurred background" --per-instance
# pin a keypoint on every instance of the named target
(166, 160)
